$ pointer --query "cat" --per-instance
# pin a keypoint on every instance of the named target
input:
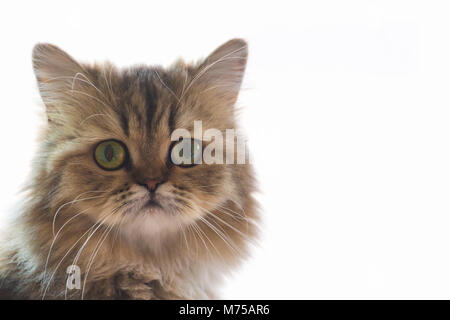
(106, 213)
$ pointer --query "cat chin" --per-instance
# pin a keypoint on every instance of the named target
(152, 223)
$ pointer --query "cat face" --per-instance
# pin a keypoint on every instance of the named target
(108, 141)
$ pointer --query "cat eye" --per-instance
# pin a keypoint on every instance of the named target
(186, 153)
(110, 155)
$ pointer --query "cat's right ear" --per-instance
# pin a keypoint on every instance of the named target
(55, 71)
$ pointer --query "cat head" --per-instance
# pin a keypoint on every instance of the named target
(107, 147)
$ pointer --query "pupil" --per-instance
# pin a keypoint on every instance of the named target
(109, 152)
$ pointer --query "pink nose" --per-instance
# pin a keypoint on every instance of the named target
(152, 184)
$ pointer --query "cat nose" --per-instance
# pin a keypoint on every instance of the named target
(152, 184)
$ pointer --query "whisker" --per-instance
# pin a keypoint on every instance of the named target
(209, 240)
(87, 240)
(87, 81)
(223, 236)
(184, 234)
(196, 229)
(62, 259)
(95, 115)
(117, 231)
(229, 211)
(91, 96)
(94, 254)
(75, 260)
(166, 86)
(108, 87)
(67, 203)
(56, 236)
(227, 224)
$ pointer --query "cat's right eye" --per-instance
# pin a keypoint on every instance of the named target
(110, 155)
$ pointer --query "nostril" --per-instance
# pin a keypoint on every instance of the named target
(152, 184)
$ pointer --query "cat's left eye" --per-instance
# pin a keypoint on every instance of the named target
(110, 154)
(186, 153)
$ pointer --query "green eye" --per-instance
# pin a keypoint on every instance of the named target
(186, 153)
(110, 154)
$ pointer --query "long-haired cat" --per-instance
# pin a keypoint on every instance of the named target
(107, 214)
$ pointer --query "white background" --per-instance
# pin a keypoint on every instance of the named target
(347, 108)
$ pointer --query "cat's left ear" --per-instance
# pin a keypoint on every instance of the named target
(223, 70)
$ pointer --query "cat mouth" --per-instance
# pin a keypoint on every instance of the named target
(152, 204)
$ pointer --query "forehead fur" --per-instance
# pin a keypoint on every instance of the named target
(138, 102)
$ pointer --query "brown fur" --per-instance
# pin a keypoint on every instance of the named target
(209, 214)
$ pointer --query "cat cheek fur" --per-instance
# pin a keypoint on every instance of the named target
(76, 213)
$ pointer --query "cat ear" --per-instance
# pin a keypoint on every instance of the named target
(223, 70)
(55, 71)
(50, 62)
